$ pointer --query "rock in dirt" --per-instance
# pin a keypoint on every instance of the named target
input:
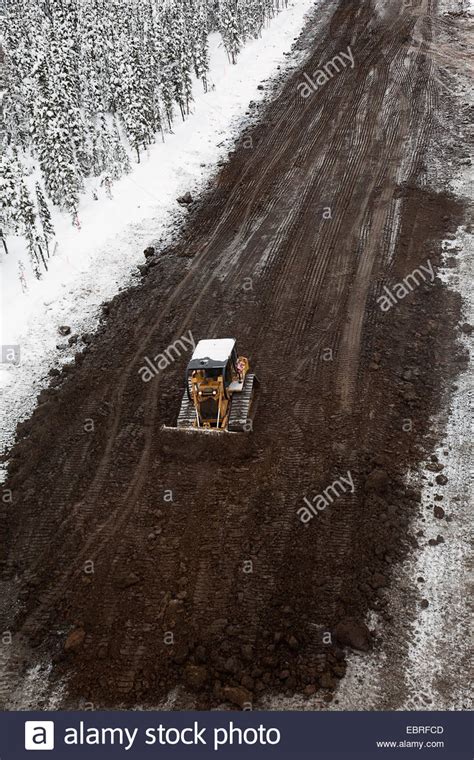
(185, 199)
(466, 328)
(292, 642)
(125, 581)
(237, 695)
(64, 329)
(435, 466)
(248, 683)
(43, 396)
(196, 676)
(377, 481)
(247, 652)
(410, 394)
(200, 654)
(439, 512)
(231, 665)
(378, 581)
(150, 251)
(326, 681)
(75, 640)
(353, 634)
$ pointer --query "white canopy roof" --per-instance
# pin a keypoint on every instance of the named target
(217, 350)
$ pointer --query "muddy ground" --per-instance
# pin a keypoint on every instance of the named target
(139, 561)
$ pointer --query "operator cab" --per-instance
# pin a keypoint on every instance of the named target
(213, 359)
(213, 374)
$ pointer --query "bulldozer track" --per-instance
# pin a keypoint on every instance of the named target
(240, 406)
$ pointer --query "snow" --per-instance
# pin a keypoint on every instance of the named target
(215, 350)
(91, 264)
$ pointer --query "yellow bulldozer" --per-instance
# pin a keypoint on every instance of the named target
(219, 389)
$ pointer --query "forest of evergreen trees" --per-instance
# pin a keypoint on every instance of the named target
(89, 84)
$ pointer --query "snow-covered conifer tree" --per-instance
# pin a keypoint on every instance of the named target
(201, 54)
(26, 224)
(8, 196)
(229, 27)
(44, 216)
(89, 83)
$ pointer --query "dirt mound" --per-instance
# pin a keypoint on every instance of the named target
(353, 633)
(208, 447)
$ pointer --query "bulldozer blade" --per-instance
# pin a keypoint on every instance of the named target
(198, 444)
(194, 429)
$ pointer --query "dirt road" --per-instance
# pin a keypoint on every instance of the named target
(178, 562)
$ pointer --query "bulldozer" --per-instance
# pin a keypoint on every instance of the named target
(219, 389)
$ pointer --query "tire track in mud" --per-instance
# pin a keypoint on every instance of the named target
(100, 478)
(99, 481)
(283, 529)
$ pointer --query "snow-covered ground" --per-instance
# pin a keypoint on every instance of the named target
(91, 264)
